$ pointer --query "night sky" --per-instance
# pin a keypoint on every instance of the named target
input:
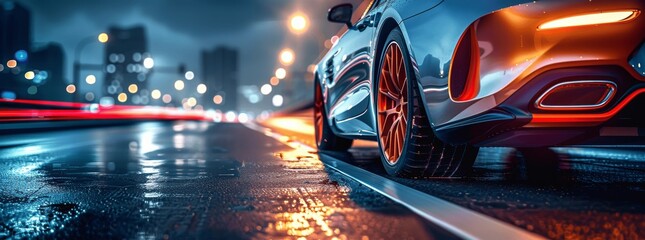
(178, 30)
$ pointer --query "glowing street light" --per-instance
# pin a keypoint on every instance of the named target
(218, 99)
(133, 88)
(90, 79)
(280, 73)
(166, 98)
(76, 79)
(277, 100)
(298, 23)
(274, 81)
(122, 97)
(70, 88)
(189, 75)
(287, 56)
(266, 89)
(103, 37)
(179, 85)
(155, 94)
(148, 63)
(12, 63)
(191, 101)
(30, 75)
(201, 88)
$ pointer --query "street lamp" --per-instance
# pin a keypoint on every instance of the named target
(201, 88)
(189, 75)
(148, 63)
(90, 79)
(277, 100)
(287, 56)
(156, 94)
(280, 73)
(298, 23)
(102, 38)
(266, 89)
(179, 85)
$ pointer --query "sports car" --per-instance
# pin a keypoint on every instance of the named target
(432, 81)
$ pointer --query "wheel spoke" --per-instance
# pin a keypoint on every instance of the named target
(389, 95)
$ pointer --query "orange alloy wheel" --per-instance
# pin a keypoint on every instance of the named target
(393, 103)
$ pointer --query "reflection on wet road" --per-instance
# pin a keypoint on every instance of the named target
(185, 180)
(559, 193)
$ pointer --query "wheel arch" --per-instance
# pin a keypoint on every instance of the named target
(390, 23)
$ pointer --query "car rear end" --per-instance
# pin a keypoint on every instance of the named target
(560, 73)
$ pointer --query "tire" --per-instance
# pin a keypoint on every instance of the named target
(408, 145)
(325, 137)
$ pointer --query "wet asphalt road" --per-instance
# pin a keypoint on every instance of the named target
(559, 193)
(206, 180)
(185, 180)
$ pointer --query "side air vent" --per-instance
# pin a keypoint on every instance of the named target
(329, 70)
(463, 80)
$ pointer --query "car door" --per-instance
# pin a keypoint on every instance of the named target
(348, 71)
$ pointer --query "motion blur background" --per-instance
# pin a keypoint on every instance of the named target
(250, 56)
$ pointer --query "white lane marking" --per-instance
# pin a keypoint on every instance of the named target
(460, 221)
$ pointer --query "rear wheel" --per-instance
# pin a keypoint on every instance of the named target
(325, 137)
(407, 142)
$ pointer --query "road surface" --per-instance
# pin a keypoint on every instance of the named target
(223, 180)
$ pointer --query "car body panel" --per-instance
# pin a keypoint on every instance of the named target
(517, 62)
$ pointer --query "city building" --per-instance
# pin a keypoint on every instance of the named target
(15, 31)
(26, 71)
(127, 66)
(47, 63)
(219, 69)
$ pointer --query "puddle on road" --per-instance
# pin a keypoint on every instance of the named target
(186, 161)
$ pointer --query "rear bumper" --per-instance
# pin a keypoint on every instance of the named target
(517, 123)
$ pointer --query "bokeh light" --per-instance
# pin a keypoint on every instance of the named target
(21, 55)
(277, 100)
(266, 89)
(280, 73)
(298, 23)
(90, 79)
(191, 101)
(122, 97)
(201, 88)
(334, 39)
(103, 37)
(133, 88)
(166, 98)
(189, 75)
(287, 56)
(274, 81)
(148, 63)
(230, 116)
(30, 75)
(12, 63)
(217, 99)
(155, 94)
(32, 90)
(243, 117)
(89, 96)
(179, 85)
(70, 88)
